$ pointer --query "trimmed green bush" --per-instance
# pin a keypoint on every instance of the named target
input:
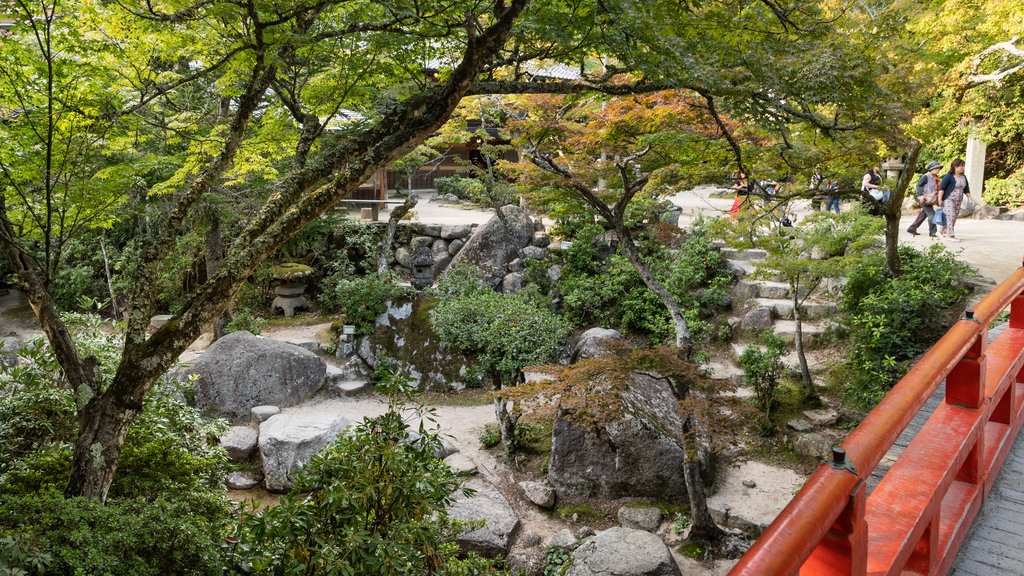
(1005, 191)
(464, 188)
(892, 320)
(166, 511)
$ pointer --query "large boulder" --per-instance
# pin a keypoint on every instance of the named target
(494, 537)
(288, 441)
(634, 456)
(241, 371)
(405, 340)
(10, 347)
(491, 250)
(593, 343)
(623, 552)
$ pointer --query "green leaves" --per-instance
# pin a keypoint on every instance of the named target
(891, 320)
(372, 502)
(505, 332)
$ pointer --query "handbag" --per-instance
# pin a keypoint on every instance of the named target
(939, 218)
(928, 199)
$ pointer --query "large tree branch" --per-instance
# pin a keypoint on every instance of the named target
(301, 197)
(567, 87)
(81, 375)
(1009, 48)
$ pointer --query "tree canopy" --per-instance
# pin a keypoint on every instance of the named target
(151, 112)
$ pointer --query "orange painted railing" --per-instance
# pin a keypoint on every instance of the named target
(919, 513)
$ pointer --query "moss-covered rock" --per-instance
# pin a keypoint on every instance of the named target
(404, 339)
(291, 271)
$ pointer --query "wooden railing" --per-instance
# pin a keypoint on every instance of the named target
(919, 513)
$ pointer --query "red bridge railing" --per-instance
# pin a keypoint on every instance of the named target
(918, 515)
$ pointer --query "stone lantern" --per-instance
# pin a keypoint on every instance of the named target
(291, 285)
(893, 167)
(422, 267)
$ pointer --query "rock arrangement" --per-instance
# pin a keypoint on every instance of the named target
(486, 246)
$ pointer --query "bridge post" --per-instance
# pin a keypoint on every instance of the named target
(1017, 312)
(965, 384)
(844, 550)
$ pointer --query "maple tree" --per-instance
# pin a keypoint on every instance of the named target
(154, 111)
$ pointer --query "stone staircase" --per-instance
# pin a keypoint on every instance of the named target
(766, 304)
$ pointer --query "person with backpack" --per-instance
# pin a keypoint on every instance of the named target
(927, 197)
(871, 184)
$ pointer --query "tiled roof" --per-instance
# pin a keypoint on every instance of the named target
(558, 71)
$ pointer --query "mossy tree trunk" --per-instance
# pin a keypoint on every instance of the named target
(314, 185)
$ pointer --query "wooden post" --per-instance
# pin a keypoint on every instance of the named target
(844, 550)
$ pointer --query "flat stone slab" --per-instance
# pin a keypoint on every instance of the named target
(351, 387)
(736, 504)
(460, 464)
(773, 290)
(311, 344)
(783, 309)
(749, 254)
(811, 332)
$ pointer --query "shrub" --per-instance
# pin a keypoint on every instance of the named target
(245, 320)
(489, 436)
(762, 370)
(607, 291)
(166, 510)
(361, 299)
(557, 561)
(464, 188)
(369, 503)
(891, 320)
(154, 535)
(1005, 192)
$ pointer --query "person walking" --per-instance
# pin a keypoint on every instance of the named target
(952, 191)
(927, 196)
(832, 200)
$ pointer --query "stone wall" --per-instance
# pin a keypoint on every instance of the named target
(444, 241)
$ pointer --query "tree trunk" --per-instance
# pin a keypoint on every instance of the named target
(104, 424)
(684, 339)
(805, 372)
(507, 420)
(704, 527)
(895, 210)
(214, 256)
(384, 249)
(115, 308)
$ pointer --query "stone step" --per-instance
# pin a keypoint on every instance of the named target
(740, 268)
(311, 344)
(724, 371)
(762, 289)
(750, 254)
(783, 309)
(339, 382)
(348, 387)
(812, 332)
